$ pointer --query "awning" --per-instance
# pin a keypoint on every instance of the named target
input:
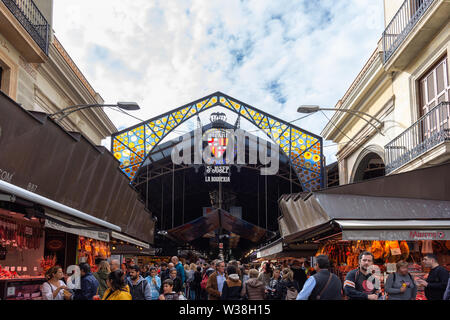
(320, 213)
(65, 225)
(125, 238)
(278, 249)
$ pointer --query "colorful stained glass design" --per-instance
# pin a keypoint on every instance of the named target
(131, 146)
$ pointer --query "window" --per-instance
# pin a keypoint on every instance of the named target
(434, 89)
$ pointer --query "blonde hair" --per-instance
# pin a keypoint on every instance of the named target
(401, 263)
(186, 267)
(193, 266)
(253, 273)
(104, 267)
(287, 273)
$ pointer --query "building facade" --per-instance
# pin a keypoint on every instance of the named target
(38, 73)
(405, 85)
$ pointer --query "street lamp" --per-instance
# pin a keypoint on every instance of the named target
(129, 106)
(314, 108)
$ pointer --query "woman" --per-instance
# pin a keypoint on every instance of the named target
(287, 286)
(400, 285)
(155, 283)
(232, 287)
(117, 288)
(253, 289)
(196, 283)
(54, 288)
(189, 281)
(272, 287)
(102, 275)
(266, 274)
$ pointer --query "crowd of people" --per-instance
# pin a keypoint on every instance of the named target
(218, 280)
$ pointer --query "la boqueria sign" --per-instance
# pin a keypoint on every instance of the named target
(390, 235)
(38, 155)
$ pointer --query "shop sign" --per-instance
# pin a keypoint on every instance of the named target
(391, 235)
(6, 176)
(97, 235)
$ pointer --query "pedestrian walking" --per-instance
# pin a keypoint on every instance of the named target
(155, 283)
(232, 287)
(271, 289)
(164, 274)
(400, 284)
(323, 285)
(139, 287)
(89, 284)
(357, 285)
(114, 265)
(180, 269)
(117, 287)
(196, 288)
(266, 274)
(299, 274)
(437, 279)
(253, 289)
(287, 288)
(215, 282)
(102, 276)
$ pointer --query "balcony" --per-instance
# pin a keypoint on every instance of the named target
(427, 141)
(19, 15)
(414, 25)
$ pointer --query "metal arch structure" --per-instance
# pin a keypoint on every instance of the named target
(304, 149)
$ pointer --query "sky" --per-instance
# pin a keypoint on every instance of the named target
(272, 55)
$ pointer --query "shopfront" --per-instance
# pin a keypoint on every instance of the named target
(392, 229)
(61, 198)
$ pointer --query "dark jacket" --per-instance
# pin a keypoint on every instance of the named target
(282, 287)
(177, 286)
(164, 275)
(197, 280)
(299, 276)
(140, 290)
(354, 286)
(102, 285)
(88, 289)
(232, 288)
(437, 283)
(254, 289)
(332, 292)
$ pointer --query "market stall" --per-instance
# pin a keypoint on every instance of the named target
(21, 254)
(393, 229)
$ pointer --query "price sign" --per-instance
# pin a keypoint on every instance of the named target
(11, 291)
(396, 251)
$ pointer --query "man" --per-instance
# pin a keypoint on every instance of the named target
(437, 278)
(299, 273)
(115, 265)
(89, 284)
(324, 285)
(180, 269)
(357, 285)
(164, 274)
(139, 287)
(215, 282)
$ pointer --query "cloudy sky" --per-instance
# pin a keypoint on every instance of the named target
(273, 55)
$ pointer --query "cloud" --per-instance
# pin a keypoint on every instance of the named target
(273, 55)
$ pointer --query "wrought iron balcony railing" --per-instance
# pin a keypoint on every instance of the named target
(29, 16)
(427, 132)
(401, 25)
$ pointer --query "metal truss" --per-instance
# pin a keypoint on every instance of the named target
(304, 149)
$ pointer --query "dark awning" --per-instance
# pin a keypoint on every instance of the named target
(40, 156)
(322, 212)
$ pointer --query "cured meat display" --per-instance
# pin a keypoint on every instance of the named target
(18, 235)
(90, 249)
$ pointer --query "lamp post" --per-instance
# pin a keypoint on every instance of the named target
(314, 108)
(129, 106)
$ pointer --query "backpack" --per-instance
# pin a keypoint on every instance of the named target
(291, 293)
(204, 281)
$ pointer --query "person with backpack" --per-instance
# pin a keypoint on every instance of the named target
(102, 275)
(357, 284)
(287, 287)
(233, 286)
(400, 285)
(323, 285)
(253, 289)
(139, 287)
